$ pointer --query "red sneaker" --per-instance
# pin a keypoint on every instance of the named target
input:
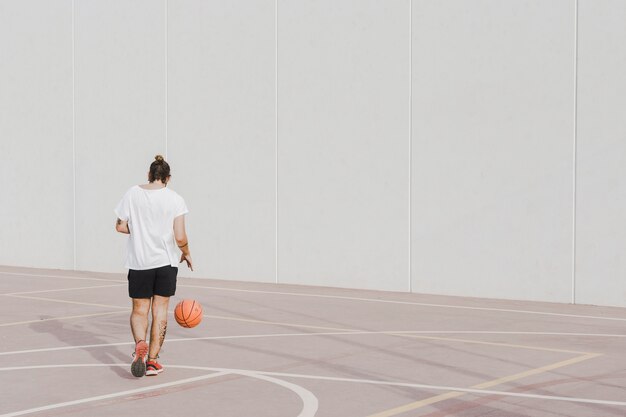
(138, 367)
(153, 368)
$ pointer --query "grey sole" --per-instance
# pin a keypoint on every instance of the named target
(138, 368)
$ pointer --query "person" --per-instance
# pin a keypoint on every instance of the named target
(154, 218)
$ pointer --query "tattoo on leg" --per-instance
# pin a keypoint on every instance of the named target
(162, 332)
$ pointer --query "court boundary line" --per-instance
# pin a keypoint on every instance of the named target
(447, 388)
(23, 274)
(398, 332)
(487, 343)
(395, 410)
(171, 312)
(359, 331)
(61, 289)
(56, 300)
(272, 335)
(374, 300)
(350, 380)
(413, 334)
(487, 384)
(112, 395)
(415, 303)
(310, 402)
(80, 316)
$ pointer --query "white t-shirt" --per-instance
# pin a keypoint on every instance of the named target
(150, 215)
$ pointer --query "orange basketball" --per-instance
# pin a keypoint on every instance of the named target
(188, 313)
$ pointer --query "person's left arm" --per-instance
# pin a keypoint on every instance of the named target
(122, 226)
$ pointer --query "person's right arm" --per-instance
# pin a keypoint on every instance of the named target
(181, 240)
(122, 226)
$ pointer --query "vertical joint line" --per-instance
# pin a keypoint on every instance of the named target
(166, 74)
(73, 137)
(410, 145)
(276, 128)
(575, 156)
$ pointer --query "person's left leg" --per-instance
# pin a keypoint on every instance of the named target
(140, 285)
(157, 334)
(139, 318)
(139, 328)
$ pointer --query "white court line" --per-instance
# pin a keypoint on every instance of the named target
(107, 396)
(443, 388)
(27, 297)
(22, 274)
(372, 300)
(495, 332)
(63, 289)
(15, 323)
(54, 300)
(355, 331)
(186, 339)
(270, 335)
(309, 400)
(254, 374)
(377, 300)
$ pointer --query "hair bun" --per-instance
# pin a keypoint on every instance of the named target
(159, 158)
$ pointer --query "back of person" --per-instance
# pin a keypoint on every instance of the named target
(153, 218)
(151, 214)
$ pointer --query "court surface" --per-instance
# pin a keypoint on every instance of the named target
(296, 351)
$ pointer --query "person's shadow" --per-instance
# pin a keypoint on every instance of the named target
(77, 334)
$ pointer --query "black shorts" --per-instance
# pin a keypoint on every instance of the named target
(148, 282)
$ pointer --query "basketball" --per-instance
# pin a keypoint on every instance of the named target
(188, 313)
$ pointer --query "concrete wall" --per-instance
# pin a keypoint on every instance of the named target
(36, 147)
(441, 146)
(601, 150)
(119, 49)
(493, 130)
(222, 135)
(343, 143)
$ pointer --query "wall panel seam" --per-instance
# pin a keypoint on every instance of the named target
(410, 145)
(73, 137)
(276, 133)
(166, 75)
(575, 155)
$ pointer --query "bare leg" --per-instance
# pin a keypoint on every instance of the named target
(159, 325)
(139, 318)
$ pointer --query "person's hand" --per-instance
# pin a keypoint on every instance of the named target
(187, 258)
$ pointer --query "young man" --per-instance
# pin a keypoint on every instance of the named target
(154, 218)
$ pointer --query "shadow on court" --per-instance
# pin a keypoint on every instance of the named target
(79, 335)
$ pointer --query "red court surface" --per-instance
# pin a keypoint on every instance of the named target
(295, 351)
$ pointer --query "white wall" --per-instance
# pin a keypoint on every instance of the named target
(120, 113)
(36, 207)
(423, 145)
(343, 143)
(601, 179)
(221, 133)
(493, 123)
